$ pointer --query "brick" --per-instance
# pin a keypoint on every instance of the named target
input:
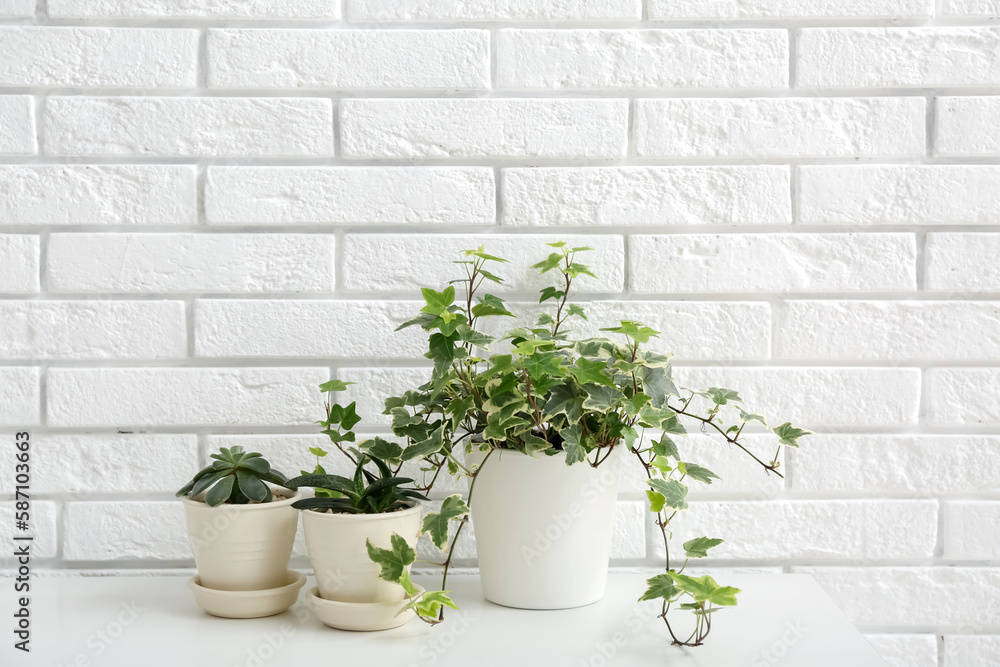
(628, 536)
(17, 125)
(937, 597)
(20, 396)
(16, 9)
(322, 330)
(99, 330)
(829, 529)
(962, 262)
(890, 330)
(852, 397)
(920, 465)
(741, 195)
(43, 526)
(966, 126)
(963, 396)
(184, 396)
(906, 650)
(966, 532)
(98, 57)
(492, 10)
(152, 263)
(374, 385)
(81, 465)
(366, 265)
(987, 9)
(706, 263)
(188, 126)
(193, 9)
(355, 59)
(19, 262)
(780, 127)
(641, 59)
(98, 195)
(899, 194)
(710, 330)
(498, 128)
(125, 530)
(898, 57)
(804, 9)
(970, 650)
(350, 195)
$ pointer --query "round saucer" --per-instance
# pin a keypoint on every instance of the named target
(248, 604)
(359, 616)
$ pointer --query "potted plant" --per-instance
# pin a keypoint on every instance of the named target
(347, 520)
(551, 415)
(241, 530)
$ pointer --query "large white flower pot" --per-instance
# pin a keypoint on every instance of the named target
(338, 552)
(543, 529)
(242, 547)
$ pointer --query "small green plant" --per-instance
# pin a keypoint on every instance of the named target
(365, 493)
(235, 477)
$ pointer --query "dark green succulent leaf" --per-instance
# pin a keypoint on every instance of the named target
(220, 493)
(332, 482)
(251, 486)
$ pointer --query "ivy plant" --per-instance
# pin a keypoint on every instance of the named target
(540, 390)
(235, 477)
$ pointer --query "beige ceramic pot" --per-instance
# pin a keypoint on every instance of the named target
(339, 555)
(242, 547)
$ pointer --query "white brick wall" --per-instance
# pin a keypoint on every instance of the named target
(209, 207)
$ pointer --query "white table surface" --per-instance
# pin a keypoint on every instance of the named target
(150, 621)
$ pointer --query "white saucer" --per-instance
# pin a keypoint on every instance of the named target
(248, 604)
(359, 616)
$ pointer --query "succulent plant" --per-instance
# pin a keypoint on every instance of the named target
(235, 477)
(366, 493)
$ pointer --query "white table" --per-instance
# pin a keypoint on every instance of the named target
(151, 621)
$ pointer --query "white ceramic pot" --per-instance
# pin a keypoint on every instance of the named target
(543, 529)
(242, 547)
(339, 555)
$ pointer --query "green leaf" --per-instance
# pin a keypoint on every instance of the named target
(334, 385)
(437, 302)
(543, 365)
(659, 587)
(656, 417)
(704, 589)
(388, 451)
(563, 401)
(699, 546)
(428, 604)
(571, 437)
(658, 385)
(220, 493)
(595, 372)
(251, 486)
(331, 482)
(489, 306)
(550, 293)
(436, 524)
(637, 331)
(575, 270)
(789, 435)
(674, 493)
(721, 396)
(752, 416)
(697, 472)
(425, 448)
(469, 335)
(656, 500)
(549, 263)
(346, 417)
(577, 310)
(666, 447)
(601, 398)
(318, 451)
(394, 560)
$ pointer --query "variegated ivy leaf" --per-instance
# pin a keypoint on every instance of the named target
(656, 501)
(586, 371)
(656, 417)
(704, 589)
(564, 401)
(388, 451)
(666, 447)
(699, 546)
(436, 524)
(394, 560)
(469, 335)
(697, 472)
(789, 435)
(601, 398)
(659, 587)
(572, 444)
(752, 416)
(425, 448)
(637, 331)
(721, 396)
(533, 444)
(674, 493)
(658, 385)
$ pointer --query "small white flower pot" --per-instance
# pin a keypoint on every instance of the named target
(242, 547)
(339, 555)
(543, 529)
